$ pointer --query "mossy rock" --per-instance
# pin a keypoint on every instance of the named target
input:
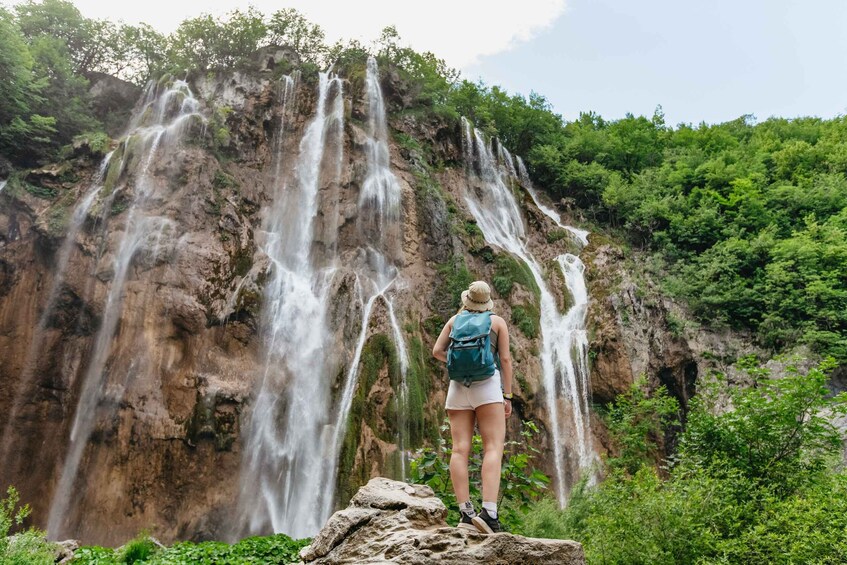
(527, 318)
(509, 271)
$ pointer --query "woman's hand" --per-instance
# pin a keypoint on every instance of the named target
(508, 407)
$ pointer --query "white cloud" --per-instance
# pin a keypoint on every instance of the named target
(459, 31)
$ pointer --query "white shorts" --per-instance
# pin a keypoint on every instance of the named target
(461, 397)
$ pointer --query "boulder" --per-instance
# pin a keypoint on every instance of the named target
(65, 551)
(394, 522)
(112, 100)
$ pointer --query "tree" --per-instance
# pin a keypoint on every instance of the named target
(23, 133)
(289, 27)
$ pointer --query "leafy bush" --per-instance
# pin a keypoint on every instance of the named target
(137, 550)
(28, 547)
(276, 549)
(758, 483)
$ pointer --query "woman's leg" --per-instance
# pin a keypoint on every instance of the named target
(461, 429)
(492, 427)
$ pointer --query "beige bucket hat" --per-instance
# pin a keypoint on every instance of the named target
(478, 297)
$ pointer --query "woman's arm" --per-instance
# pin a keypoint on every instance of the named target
(504, 353)
(439, 350)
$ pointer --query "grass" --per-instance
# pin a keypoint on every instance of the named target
(275, 549)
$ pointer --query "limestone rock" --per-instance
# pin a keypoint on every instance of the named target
(393, 522)
(65, 550)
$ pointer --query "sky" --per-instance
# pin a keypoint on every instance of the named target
(700, 60)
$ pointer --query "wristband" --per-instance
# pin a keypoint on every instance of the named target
(507, 395)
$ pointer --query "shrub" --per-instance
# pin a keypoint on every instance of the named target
(28, 547)
(275, 549)
(759, 483)
(137, 550)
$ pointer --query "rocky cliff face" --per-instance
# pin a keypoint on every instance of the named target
(130, 366)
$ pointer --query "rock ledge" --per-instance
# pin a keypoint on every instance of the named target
(393, 522)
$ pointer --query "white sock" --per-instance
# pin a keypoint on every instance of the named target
(491, 508)
(467, 508)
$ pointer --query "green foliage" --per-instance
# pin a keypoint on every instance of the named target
(757, 483)
(206, 42)
(527, 318)
(521, 483)
(275, 549)
(636, 423)
(289, 27)
(28, 547)
(137, 550)
(778, 435)
(508, 271)
(39, 191)
(555, 235)
(98, 142)
(454, 278)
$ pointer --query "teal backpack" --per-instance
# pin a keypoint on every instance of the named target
(469, 355)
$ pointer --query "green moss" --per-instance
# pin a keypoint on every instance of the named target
(454, 278)
(555, 235)
(224, 181)
(508, 271)
(113, 171)
(418, 382)
(527, 318)
(119, 206)
(59, 215)
(433, 325)
(378, 353)
(39, 191)
(522, 382)
(242, 262)
(473, 237)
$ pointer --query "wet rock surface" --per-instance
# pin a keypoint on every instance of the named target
(394, 522)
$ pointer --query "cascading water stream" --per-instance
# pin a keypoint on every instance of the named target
(296, 432)
(379, 207)
(564, 340)
(3, 184)
(403, 393)
(170, 112)
(287, 472)
(62, 258)
(379, 199)
(580, 235)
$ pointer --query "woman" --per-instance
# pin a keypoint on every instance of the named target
(481, 398)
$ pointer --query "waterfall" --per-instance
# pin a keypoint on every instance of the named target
(581, 236)
(287, 471)
(170, 112)
(379, 208)
(61, 264)
(3, 184)
(298, 422)
(379, 199)
(564, 339)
